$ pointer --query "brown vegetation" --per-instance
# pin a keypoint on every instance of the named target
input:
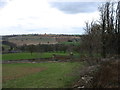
(108, 75)
(104, 75)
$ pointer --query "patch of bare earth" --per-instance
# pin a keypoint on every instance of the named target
(14, 73)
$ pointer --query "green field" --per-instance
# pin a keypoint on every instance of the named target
(70, 43)
(16, 56)
(40, 75)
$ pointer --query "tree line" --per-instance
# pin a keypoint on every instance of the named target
(48, 48)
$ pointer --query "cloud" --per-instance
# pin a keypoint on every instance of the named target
(75, 7)
(37, 16)
(4, 3)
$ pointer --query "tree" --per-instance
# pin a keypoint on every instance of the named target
(23, 47)
(31, 48)
(91, 39)
(107, 27)
(3, 48)
(103, 23)
(105, 34)
(117, 28)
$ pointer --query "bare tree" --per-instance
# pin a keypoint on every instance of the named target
(103, 24)
(104, 36)
(117, 28)
(107, 27)
(91, 39)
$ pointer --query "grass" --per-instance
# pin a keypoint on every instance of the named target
(71, 43)
(53, 75)
(16, 56)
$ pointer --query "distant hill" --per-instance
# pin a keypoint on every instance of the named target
(40, 39)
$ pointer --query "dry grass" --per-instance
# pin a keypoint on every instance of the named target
(108, 75)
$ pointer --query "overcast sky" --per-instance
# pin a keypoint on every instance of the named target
(46, 16)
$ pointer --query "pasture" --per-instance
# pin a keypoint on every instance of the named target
(40, 75)
(70, 43)
(17, 56)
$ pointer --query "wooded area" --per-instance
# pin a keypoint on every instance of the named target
(103, 36)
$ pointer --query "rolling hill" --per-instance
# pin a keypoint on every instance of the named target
(20, 40)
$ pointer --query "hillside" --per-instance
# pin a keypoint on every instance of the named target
(20, 40)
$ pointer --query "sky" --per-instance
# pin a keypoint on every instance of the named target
(46, 16)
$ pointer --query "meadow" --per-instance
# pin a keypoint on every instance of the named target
(40, 75)
(27, 55)
(70, 43)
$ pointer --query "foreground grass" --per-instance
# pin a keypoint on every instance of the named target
(54, 75)
(16, 56)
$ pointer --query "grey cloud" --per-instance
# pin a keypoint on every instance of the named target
(75, 7)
